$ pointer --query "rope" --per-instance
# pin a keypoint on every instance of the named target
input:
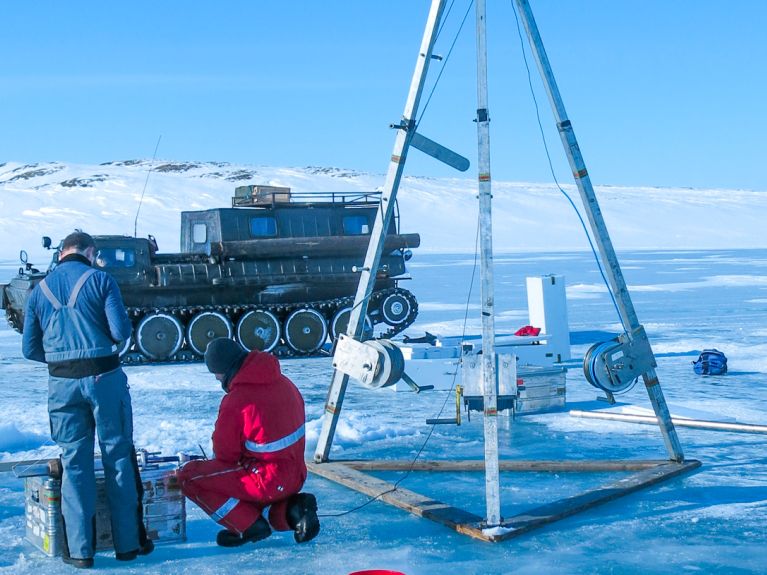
(446, 59)
(141, 200)
(551, 168)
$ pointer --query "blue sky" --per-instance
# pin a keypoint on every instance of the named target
(660, 93)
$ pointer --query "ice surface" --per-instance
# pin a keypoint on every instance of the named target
(694, 286)
(711, 521)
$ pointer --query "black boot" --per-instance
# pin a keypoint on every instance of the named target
(144, 549)
(85, 563)
(256, 532)
(145, 545)
(302, 517)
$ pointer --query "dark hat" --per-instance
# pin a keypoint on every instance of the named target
(223, 354)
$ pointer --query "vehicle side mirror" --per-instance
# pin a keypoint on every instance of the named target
(46, 242)
(23, 256)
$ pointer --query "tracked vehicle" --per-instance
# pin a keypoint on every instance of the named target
(277, 271)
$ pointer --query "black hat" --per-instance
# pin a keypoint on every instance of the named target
(224, 355)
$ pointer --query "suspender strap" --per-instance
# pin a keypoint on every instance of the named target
(49, 294)
(78, 287)
(75, 290)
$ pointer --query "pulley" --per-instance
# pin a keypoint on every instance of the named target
(612, 366)
(391, 364)
(595, 367)
(375, 363)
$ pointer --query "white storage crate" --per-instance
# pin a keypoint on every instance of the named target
(540, 389)
(527, 389)
(164, 510)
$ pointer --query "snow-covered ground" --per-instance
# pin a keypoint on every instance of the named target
(696, 265)
(711, 521)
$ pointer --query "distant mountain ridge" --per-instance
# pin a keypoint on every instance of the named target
(220, 170)
(53, 198)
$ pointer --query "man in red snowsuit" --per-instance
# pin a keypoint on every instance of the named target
(258, 442)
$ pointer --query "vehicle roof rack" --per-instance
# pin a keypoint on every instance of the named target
(261, 196)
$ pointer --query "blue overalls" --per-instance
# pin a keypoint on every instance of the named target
(82, 332)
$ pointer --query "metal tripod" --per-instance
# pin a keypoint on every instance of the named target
(635, 340)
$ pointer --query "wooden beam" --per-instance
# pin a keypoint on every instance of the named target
(349, 474)
(562, 508)
(555, 466)
(427, 507)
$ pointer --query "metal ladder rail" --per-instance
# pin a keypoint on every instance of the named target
(337, 389)
(598, 227)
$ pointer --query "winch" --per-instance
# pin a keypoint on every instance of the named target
(614, 365)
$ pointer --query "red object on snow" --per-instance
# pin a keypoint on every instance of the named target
(528, 330)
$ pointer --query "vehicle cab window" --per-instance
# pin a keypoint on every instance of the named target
(115, 258)
(199, 233)
(356, 226)
(263, 227)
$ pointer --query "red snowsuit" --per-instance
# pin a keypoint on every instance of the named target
(258, 444)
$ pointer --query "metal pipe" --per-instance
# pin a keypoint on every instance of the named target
(489, 379)
(308, 246)
(32, 467)
(682, 422)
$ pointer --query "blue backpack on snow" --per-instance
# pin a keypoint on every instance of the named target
(710, 362)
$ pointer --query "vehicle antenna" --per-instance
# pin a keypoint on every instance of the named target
(135, 222)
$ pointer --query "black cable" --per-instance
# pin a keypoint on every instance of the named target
(444, 403)
(444, 64)
(551, 166)
(444, 20)
(141, 200)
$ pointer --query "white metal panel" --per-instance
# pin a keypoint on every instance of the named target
(547, 309)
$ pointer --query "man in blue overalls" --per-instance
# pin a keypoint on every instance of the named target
(73, 321)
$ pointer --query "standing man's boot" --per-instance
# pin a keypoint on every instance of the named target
(85, 563)
(145, 549)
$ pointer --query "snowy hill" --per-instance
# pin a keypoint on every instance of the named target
(54, 198)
